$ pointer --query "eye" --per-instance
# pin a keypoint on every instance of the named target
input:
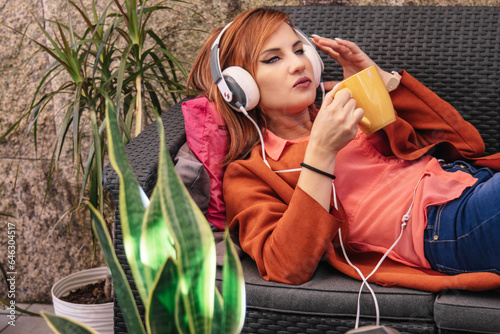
(270, 60)
(299, 52)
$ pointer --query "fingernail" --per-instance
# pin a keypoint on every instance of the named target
(314, 35)
(338, 39)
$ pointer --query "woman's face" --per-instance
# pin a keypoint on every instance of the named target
(284, 74)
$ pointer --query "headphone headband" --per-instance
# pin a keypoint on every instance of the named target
(215, 67)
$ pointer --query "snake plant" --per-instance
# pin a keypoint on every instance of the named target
(171, 252)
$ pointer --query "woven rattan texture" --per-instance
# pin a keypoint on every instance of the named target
(454, 51)
(267, 322)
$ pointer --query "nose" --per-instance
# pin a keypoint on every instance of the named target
(298, 63)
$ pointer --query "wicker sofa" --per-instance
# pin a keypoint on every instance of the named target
(455, 51)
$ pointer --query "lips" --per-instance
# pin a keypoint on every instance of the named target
(303, 82)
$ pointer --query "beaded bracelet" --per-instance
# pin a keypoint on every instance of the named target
(319, 171)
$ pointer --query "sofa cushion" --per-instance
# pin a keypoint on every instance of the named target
(332, 294)
(208, 139)
(194, 176)
(462, 311)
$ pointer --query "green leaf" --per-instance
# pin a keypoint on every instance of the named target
(218, 318)
(131, 210)
(156, 241)
(89, 166)
(76, 118)
(120, 283)
(12, 128)
(233, 288)
(83, 15)
(164, 301)
(6, 302)
(176, 62)
(193, 240)
(63, 325)
(121, 73)
(98, 159)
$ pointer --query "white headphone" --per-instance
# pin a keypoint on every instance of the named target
(238, 87)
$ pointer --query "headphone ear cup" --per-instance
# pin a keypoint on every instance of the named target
(243, 86)
(316, 62)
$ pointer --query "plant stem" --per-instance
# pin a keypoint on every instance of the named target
(138, 106)
(108, 286)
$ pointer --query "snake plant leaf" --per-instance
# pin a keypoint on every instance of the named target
(181, 316)
(233, 289)
(122, 288)
(156, 241)
(63, 325)
(131, 209)
(163, 302)
(194, 242)
(218, 318)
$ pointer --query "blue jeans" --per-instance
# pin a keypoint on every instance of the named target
(464, 235)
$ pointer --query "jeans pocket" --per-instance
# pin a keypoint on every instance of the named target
(453, 271)
(447, 270)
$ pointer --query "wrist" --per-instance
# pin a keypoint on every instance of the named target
(320, 158)
(317, 170)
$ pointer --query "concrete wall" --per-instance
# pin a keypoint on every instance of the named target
(48, 248)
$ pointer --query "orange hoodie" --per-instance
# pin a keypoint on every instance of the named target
(287, 233)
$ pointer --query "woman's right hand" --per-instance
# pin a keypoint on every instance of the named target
(336, 123)
(334, 127)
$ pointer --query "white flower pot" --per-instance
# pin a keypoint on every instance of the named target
(97, 316)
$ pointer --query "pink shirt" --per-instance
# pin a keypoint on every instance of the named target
(376, 191)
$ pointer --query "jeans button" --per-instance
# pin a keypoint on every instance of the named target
(436, 237)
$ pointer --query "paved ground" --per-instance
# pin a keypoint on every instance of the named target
(25, 324)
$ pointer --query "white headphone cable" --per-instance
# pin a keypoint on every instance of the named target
(243, 110)
(374, 297)
(404, 220)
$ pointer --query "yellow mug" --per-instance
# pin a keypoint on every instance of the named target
(370, 93)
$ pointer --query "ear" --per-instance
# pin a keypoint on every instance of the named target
(243, 86)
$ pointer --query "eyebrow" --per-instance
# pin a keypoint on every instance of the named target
(279, 49)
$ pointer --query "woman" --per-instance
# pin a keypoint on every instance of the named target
(389, 195)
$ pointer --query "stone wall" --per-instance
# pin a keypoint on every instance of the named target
(50, 243)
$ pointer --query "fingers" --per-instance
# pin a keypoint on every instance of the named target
(332, 97)
(340, 100)
(346, 53)
(358, 115)
(330, 85)
(348, 45)
(334, 47)
(328, 46)
(343, 99)
(337, 121)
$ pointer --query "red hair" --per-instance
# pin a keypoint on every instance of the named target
(239, 46)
